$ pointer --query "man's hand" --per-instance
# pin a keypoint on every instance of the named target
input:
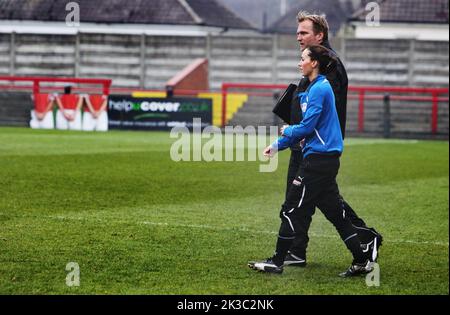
(269, 151)
(302, 143)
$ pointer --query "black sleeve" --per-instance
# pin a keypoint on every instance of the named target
(339, 82)
(296, 112)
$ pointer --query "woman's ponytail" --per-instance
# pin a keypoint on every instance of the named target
(326, 58)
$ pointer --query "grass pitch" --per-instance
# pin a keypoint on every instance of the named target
(138, 223)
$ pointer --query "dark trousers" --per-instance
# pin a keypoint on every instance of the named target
(313, 186)
(300, 243)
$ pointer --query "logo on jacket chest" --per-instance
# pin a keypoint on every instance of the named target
(304, 107)
(304, 104)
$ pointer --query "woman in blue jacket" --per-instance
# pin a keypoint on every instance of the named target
(315, 184)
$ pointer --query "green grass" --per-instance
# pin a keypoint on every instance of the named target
(138, 223)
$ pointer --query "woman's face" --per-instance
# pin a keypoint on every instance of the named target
(306, 65)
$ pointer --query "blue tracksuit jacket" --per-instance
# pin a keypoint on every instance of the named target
(320, 125)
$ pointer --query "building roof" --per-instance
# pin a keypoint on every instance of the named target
(409, 11)
(171, 12)
(335, 13)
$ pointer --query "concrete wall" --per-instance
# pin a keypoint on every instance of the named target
(396, 62)
(5, 54)
(149, 61)
(139, 61)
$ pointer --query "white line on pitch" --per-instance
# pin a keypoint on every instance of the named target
(216, 228)
(208, 227)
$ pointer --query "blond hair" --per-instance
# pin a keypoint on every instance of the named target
(320, 24)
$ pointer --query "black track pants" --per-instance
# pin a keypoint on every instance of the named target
(300, 243)
(315, 186)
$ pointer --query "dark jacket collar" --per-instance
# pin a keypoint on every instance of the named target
(326, 44)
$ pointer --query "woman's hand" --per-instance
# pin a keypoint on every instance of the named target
(269, 151)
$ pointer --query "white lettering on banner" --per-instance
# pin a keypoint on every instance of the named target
(127, 106)
(160, 107)
(121, 106)
(173, 124)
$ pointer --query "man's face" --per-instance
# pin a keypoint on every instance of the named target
(306, 36)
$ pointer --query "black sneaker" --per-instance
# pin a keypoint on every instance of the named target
(292, 260)
(266, 266)
(357, 269)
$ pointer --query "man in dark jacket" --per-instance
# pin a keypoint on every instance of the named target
(313, 30)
